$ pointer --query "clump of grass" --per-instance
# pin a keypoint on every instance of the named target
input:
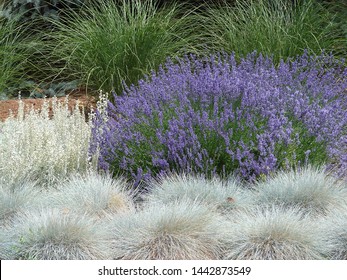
(95, 194)
(53, 235)
(4, 254)
(37, 147)
(334, 232)
(272, 233)
(17, 199)
(213, 193)
(110, 42)
(16, 48)
(308, 188)
(280, 28)
(177, 231)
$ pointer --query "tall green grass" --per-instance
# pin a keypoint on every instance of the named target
(16, 47)
(279, 28)
(107, 43)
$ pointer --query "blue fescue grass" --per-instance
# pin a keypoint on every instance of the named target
(17, 199)
(97, 195)
(176, 231)
(213, 193)
(49, 234)
(309, 188)
(333, 229)
(273, 233)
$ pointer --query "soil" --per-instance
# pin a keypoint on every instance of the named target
(86, 100)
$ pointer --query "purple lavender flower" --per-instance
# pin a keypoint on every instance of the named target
(219, 116)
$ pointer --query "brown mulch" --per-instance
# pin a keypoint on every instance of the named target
(86, 100)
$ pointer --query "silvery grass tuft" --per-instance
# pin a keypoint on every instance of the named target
(213, 193)
(111, 42)
(272, 233)
(17, 199)
(333, 229)
(309, 188)
(50, 234)
(98, 195)
(280, 28)
(43, 149)
(4, 254)
(176, 231)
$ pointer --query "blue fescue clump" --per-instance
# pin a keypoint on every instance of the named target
(217, 115)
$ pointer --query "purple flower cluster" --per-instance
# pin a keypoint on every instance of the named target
(219, 116)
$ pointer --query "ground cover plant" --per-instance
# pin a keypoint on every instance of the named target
(280, 28)
(334, 232)
(217, 116)
(17, 199)
(273, 233)
(95, 194)
(175, 231)
(312, 190)
(78, 220)
(49, 234)
(110, 42)
(213, 193)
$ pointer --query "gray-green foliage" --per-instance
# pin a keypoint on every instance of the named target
(273, 233)
(17, 199)
(95, 194)
(44, 149)
(309, 188)
(25, 10)
(212, 193)
(176, 231)
(31, 89)
(333, 229)
(108, 43)
(50, 234)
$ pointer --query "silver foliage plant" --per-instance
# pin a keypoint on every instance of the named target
(48, 149)
(51, 234)
(273, 233)
(175, 231)
(97, 195)
(214, 193)
(309, 188)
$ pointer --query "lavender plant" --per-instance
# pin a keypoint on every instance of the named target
(218, 116)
